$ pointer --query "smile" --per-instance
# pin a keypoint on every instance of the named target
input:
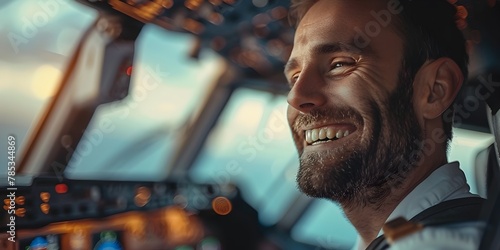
(325, 134)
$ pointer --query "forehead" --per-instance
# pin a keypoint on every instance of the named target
(363, 23)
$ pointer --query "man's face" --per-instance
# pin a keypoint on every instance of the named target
(350, 107)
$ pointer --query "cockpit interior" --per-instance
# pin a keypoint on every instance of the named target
(161, 124)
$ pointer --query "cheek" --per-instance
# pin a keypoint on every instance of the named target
(346, 92)
(376, 79)
(291, 114)
(356, 93)
(365, 97)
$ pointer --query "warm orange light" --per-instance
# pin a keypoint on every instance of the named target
(142, 196)
(20, 200)
(167, 4)
(45, 208)
(216, 18)
(20, 212)
(193, 26)
(222, 205)
(129, 71)
(193, 4)
(462, 12)
(45, 196)
(181, 227)
(136, 226)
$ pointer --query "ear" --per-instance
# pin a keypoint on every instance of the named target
(436, 85)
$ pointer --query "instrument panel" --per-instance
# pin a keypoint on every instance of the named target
(81, 214)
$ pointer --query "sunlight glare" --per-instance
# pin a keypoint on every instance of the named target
(45, 81)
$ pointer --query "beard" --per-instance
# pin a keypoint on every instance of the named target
(365, 174)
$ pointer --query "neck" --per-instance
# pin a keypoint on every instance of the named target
(368, 218)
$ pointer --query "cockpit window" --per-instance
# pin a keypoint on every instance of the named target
(36, 44)
(133, 139)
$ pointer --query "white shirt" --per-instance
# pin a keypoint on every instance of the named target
(445, 183)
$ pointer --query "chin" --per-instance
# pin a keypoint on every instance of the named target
(324, 176)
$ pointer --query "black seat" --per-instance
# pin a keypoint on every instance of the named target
(486, 171)
(491, 237)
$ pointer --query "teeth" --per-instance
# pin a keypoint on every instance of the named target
(314, 135)
(308, 136)
(322, 134)
(340, 134)
(330, 133)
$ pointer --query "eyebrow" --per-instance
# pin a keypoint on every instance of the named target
(327, 48)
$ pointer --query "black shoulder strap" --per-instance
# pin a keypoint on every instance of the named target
(452, 211)
(448, 212)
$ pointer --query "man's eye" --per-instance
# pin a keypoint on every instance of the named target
(341, 67)
(338, 65)
(294, 79)
(341, 64)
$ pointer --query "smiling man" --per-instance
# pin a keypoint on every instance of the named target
(372, 82)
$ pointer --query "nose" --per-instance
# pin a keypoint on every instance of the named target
(307, 93)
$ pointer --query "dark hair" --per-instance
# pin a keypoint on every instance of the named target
(429, 31)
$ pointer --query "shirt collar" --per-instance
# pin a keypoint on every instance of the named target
(445, 183)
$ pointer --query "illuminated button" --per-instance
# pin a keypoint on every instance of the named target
(167, 4)
(193, 26)
(142, 196)
(6, 201)
(45, 208)
(20, 200)
(61, 188)
(45, 196)
(193, 4)
(215, 18)
(20, 212)
(462, 12)
(222, 205)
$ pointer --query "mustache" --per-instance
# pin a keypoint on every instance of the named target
(324, 115)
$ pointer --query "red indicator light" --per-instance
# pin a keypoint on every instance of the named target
(129, 70)
(61, 188)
